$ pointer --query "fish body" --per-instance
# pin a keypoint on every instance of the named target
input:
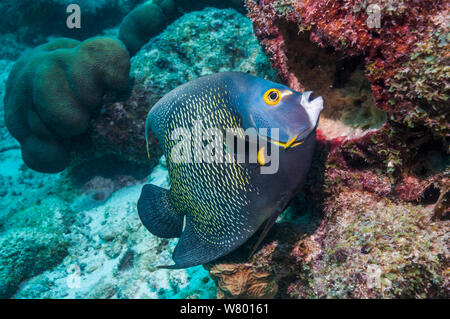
(214, 207)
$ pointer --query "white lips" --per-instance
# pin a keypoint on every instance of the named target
(313, 108)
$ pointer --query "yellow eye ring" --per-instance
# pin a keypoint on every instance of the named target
(272, 96)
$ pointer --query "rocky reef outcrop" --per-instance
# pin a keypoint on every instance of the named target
(151, 17)
(376, 200)
(371, 221)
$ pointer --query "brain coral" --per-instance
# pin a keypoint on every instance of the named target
(54, 90)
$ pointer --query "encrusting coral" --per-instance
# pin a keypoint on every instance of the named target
(54, 90)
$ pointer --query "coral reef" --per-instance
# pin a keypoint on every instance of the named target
(378, 189)
(374, 248)
(53, 91)
(372, 219)
(360, 247)
(185, 50)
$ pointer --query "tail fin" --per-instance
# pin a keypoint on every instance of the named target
(157, 215)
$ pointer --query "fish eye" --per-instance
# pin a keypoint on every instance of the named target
(272, 96)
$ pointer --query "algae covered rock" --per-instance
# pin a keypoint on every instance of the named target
(360, 247)
(54, 90)
(32, 241)
(371, 248)
(150, 18)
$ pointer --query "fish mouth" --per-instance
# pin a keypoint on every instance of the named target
(295, 141)
(313, 108)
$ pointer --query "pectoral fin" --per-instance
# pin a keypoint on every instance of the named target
(282, 204)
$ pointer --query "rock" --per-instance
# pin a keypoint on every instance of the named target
(141, 24)
(359, 247)
(150, 18)
(371, 248)
(11, 47)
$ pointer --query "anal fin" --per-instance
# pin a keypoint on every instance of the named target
(192, 250)
(157, 215)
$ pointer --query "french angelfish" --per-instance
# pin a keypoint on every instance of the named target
(215, 207)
